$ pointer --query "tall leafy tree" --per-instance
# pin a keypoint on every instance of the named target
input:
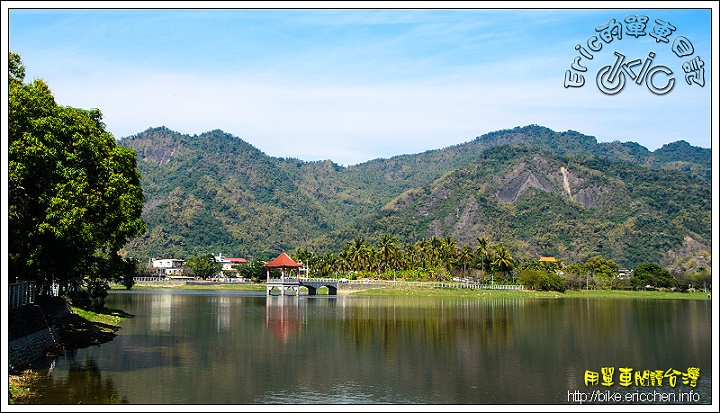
(344, 262)
(436, 244)
(602, 270)
(576, 276)
(327, 263)
(599, 266)
(204, 266)
(409, 256)
(74, 195)
(653, 275)
(423, 249)
(305, 257)
(358, 253)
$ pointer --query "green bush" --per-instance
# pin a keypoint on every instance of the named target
(652, 275)
(542, 281)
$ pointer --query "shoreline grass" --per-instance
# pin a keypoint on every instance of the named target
(80, 329)
(462, 292)
(415, 290)
(84, 328)
(22, 386)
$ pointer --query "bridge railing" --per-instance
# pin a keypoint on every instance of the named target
(21, 293)
(442, 284)
(165, 279)
(286, 280)
(306, 279)
(320, 280)
(148, 279)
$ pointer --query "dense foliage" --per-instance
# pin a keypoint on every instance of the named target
(438, 259)
(542, 281)
(74, 195)
(203, 266)
(536, 191)
(652, 275)
(573, 208)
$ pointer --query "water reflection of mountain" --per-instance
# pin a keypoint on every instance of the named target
(257, 349)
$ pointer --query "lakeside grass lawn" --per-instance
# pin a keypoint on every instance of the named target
(178, 286)
(402, 290)
(462, 292)
(698, 295)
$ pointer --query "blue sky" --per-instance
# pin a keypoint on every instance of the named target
(352, 85)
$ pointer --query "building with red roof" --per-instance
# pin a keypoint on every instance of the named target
(283, 261)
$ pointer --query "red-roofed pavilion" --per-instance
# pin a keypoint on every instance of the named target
(283, 261)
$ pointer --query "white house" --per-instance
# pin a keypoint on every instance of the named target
(167, 266)
(227, 263)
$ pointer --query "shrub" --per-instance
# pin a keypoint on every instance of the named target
(542, 281)
(652, 275)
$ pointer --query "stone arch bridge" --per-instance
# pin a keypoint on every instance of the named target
(294, 284)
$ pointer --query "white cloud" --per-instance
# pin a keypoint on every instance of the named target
(350, 123)
(348, 86)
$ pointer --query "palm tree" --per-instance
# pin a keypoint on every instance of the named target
(503, 259)
(448, 252)
(387, 249)
(423, 250)
(465, 257)
(483, 251)
(303, 256)
(409, 255)
(372, 259)
(357, 253)
(343, 264)
(435, 249)
(327, 263)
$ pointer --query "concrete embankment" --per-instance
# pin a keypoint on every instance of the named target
(31, 332)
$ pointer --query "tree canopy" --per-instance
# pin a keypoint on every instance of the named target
(204, 266)
(653, 275)
(215, 192)
(74, 195)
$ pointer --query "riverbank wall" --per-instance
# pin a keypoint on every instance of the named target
(31, 331)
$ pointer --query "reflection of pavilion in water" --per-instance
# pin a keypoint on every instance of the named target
(282, 316)
(283, 262)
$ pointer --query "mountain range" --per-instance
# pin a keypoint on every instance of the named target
(532, 189)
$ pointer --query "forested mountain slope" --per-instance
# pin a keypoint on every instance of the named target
(533, 189)
(538, 203)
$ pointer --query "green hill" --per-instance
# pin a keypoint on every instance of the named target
(538, 203)
(536, 190)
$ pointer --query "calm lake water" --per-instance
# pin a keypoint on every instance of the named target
(241, 347)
